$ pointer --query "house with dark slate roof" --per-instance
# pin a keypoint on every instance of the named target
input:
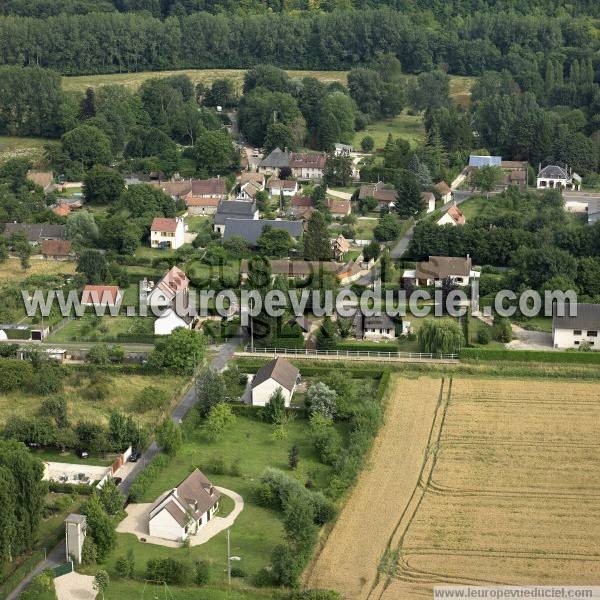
(576, 325)
(185, 509)
(234, 209)
(35, 233)
(273, 163)
(373, 327)
(277, 374)
(556, 177)
(251, 229)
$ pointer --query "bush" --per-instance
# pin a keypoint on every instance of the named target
(150, 398)
(238, 572)
(146, 477)
(283, 488)
(89, 552)
(14, 374)
(483, 336)
(202, 573)
(169, 570)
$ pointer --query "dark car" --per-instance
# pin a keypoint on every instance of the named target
(83, 454)
(135, 456)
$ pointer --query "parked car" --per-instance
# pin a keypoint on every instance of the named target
(135, 456)
(83, 454)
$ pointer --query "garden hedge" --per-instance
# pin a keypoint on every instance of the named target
(533, 356)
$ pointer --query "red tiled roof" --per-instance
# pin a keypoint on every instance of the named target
(62, 210)
(338, 207)
(302, 201)
(456, 215)
(307, 161)
(286, 184)
(208, 187)
(163, 224)
(100, 294)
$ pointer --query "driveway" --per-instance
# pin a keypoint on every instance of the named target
(402, 245)
(136, 522)
(524, 339)
(74, 586)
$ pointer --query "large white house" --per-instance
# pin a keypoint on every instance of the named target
(580, 329)
(432, 272)
(169, 321)
(185, 509)
(167, 233)
(277, 374)
(554, 176)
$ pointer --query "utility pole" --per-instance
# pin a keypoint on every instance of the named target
(228, 558)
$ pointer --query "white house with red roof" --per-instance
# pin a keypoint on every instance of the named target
(167, 233)
(101, 295)
(453, 216)
(174, 282)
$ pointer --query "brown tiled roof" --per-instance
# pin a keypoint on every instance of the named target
(56, 247)
(174, 188)
(439, 267)
(208, 187)
(307, 161)
(513, 164)
(379, 192)
(443, 188)
(286, 184)
(163, 224)
(194, 201)
(243, 178)
(279, 369)
(427, 196)
(302, 201)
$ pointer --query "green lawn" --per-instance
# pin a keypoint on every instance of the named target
(199, 224)
(249, 443)
(68, 456)
(473, 207)
(121, 393)
(405, 126)
(107, 328)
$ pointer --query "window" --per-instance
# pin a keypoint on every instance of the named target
(592, 333)
(577, 332)
(577, 343)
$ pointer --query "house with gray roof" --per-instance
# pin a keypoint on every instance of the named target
(278, 374)
(273, 163)
(576, 325)
(234, 209)
(185, 509)
(373, 327)
(557, 177)
(251, 229)
(35, 233)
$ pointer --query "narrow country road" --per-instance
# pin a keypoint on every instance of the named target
(402, 245)
(56, 556)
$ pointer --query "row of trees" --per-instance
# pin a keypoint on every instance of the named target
(114, 42)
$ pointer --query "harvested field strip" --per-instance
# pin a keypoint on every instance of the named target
(352, 554)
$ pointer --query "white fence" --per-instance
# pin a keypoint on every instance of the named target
(342, 353)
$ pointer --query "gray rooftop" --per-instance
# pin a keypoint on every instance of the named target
(36, 232)
(251, 229)
(278, 159)
(484, 161)
(554, 172)
(587, 317)
(234, 209)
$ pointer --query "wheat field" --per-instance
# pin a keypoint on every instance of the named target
(506, 493)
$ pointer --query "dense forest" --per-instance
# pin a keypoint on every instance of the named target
(164, 8)
(107, 42)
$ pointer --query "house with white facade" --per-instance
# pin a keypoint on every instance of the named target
(373, 327)
(185, 509)
(169, 321)
(436, 269)
(167, 233)
(428, 200)
(453, 216)
(174, 282)
(277, 374)
(576, 326)
(555, 177)
(282, 187)
(308, 166)
(444, 191)
(343, 150)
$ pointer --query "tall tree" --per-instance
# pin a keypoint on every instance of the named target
(316, 241)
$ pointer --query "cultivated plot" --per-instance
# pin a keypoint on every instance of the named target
(508, 494)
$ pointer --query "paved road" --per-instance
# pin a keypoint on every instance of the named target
(400, 248)
(55, 558)
(57, 555)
